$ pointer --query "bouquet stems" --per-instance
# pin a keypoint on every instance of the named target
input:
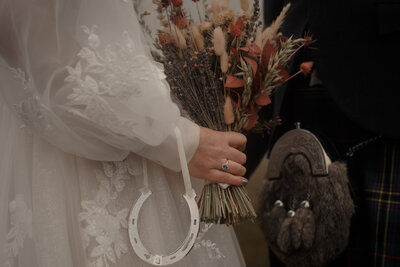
(230, 206)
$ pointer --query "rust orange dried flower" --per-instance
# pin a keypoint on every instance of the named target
(181, 22)
(306, 67)
(176, 3)
(164, 40)
(234, 30)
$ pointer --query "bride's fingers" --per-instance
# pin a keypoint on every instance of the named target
(241, 148)
(232, 168)
(213, 148)
(223, 177)
(236, 155)
(237, 139)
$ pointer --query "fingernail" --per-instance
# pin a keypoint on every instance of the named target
(244, 182)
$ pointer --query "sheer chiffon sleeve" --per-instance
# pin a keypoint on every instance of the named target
(78, 74)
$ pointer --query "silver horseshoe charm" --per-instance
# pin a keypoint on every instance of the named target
(186, 246)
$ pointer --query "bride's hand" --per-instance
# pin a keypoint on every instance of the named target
(214, 150)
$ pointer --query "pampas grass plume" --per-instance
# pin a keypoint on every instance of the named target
(224, 4)
(224, 62)
(197, 37)
(228, 111)
(177, 36)
(244, 4)
(219, 41)
(271, 32)
(215, 7)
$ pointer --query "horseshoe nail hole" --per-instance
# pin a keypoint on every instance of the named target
(133, 221)
(173, 257)
(187, 243)
(195, 222)
(135, 240)
(147, 256)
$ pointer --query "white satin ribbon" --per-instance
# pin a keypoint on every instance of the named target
(189, 196)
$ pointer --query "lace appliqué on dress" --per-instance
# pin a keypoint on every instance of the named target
(98, 77)
(21, 228)
(213, 251)
(102, 227)
(30, 109)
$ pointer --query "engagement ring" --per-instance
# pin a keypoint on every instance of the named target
(225, 165)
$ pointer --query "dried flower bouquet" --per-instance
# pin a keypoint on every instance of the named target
(222, 72)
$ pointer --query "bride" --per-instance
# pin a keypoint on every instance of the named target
(81, 106)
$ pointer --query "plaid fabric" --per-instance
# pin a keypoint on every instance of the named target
(375, 235)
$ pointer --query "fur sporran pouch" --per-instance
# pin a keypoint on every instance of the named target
(305, 205)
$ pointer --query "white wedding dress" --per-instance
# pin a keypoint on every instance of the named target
(81, 103)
